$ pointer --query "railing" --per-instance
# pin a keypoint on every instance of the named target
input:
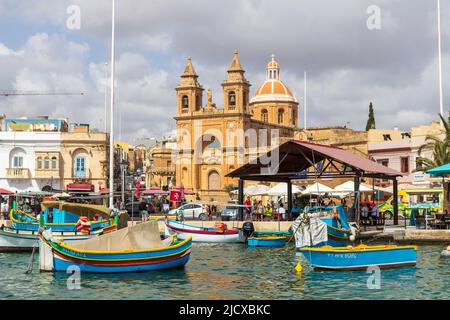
(18, 173)
(46, 173)
(159, 170)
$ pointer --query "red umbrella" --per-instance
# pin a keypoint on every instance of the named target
(6, 192)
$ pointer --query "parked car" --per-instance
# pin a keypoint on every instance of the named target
(192, 211)
(229, 213)
(134, 209)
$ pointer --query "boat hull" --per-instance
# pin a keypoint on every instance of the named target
(266, 241)
(360, 258)
(58, 257)
(200, 234)
(13, 240)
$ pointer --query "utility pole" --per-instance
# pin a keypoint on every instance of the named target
(111, 133)
(441, 97)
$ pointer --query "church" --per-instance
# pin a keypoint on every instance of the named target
(212, 141)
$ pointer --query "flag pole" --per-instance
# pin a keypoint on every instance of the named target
(441, 98)
(304, 103)
(111, 133)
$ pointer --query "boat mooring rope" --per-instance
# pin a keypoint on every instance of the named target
(30, 264)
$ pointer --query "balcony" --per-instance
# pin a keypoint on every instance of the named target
(164, 171)
(47, 173)
(18, 173)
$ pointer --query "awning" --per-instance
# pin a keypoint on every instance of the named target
(316, 189)
(6, 192)
(104, 190)
(154, 192)
(440, 171)
(73, 187)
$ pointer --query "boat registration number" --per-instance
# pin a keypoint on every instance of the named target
(342, 255)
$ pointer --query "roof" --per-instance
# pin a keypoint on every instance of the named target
(296, 157)
(5, 192)
(273, 90)
(440, 171)
(88, 210)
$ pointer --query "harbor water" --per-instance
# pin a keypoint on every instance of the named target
(233, 271)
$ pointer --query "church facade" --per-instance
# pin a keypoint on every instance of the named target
(212, 141)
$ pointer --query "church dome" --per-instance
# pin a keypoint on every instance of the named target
(273, 89)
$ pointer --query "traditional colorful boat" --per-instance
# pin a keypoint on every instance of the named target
(339, 232)
(161, 216)
(200, 234)
(16, 240)
(360, 257)
(64, 217)
(266, 241)
(133, 249)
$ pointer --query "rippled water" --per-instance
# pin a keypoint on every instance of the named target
(232, 271)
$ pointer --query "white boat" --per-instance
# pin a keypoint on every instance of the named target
(16, 240)
(200, 234)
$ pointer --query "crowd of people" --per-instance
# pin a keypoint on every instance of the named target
(256, 210)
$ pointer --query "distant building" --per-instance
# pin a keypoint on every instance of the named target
(45, 154)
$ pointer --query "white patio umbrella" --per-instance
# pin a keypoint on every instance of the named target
(281, 190)
(254, 190)
(317, 188)
(349, 186)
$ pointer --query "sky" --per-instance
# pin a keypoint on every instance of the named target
(348, 64)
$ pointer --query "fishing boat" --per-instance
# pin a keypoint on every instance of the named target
(16, 240)
(339, 231)
(63, 216)
(360, 257)
(219, 234)
(133, 249)
(266, 241)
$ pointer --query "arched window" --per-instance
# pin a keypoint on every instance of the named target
(264, 115)
(54, 163)
(80, 167)
(184, 175)
(198, 103)
(185, 104)
(244, 100)
(39, 163)
(232, 99)
(16, 158)
(280, 116)
(46, 163)
(213, 180)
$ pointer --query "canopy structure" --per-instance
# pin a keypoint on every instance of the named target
(317, 189)
(349, 186)
(6, 192)
(440, 171)
(295, 160)
(281, 189)
(88, 210)
(154, 191)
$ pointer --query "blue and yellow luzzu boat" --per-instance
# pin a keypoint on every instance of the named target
(64, 217)
(132, 249)
(360, 257)
(266, 241)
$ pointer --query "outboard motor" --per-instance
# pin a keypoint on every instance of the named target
(247, 229)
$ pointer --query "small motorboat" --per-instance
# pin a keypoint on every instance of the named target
(219, 234)
(266, 241)
(132, 249)
(360, 257)
(446, 253)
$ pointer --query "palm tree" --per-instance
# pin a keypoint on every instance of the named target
(440, 147)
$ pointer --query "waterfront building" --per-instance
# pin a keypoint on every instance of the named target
(45, 154)
(399, 150)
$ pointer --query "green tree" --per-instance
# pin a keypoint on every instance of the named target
(371, 121)
(440, 147)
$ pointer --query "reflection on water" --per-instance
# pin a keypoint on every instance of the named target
(233, 271)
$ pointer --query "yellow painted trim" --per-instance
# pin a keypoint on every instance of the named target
(56, 224)
(359, 248)
(66, 246)
(267, 238)
(338, 229)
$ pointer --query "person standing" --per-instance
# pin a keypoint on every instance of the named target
(248, 207)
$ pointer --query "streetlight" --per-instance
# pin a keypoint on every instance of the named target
(111, 133)
(123, 168)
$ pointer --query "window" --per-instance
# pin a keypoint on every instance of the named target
(39, 163)
(264, 115)
(384, 162)
(46, 163)
(280, 116)
(54, 163)
(404, 164)
(185, 104)
(18, 162)
(198, 103)
(244, 100)
(214, 180)
(80, 167)
(232, 100)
